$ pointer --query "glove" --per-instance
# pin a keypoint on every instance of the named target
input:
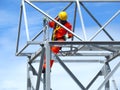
(45, 21)
(66, 36)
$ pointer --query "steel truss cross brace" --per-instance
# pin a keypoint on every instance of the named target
(46, 78)
(106, 71)
(31, 68)
(70, 73)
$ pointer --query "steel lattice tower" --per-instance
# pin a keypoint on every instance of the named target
(75, 48)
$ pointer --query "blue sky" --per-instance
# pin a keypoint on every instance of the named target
(13, 69)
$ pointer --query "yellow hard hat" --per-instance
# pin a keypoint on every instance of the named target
(63, 15)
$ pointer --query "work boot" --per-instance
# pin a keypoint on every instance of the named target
(43, 70)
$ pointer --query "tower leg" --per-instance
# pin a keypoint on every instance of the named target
(106, 72)
(107, 86)
(28, 78)
(44, 83)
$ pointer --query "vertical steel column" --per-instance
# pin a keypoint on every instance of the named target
(28, 78)
(44, 82)
(108, 76)
(106, 72)
(47, 71)
(25, 20)
(40, 69)
(74, 22)
(81, 19)
(19, 27)
(114, 83)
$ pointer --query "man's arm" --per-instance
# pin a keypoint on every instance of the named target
(69, 26)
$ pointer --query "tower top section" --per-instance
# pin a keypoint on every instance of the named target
(75, 0)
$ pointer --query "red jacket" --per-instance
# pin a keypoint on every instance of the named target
(60, 32)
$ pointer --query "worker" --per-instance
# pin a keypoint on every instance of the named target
(59, 33)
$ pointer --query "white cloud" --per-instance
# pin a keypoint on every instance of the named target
(12, 85)
(14, 77)
(8, 19)
(8, 84)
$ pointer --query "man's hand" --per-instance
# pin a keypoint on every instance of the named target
(66, 36)
(45, 21)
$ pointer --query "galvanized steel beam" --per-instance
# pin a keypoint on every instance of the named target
(74, 0)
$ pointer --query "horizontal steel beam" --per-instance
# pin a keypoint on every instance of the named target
(76, 61)
(79, 42)
(67, 53)
(74, 0)
(85, 43)
(77, 54)
(82, 61)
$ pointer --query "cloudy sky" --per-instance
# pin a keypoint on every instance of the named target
(13, 69)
